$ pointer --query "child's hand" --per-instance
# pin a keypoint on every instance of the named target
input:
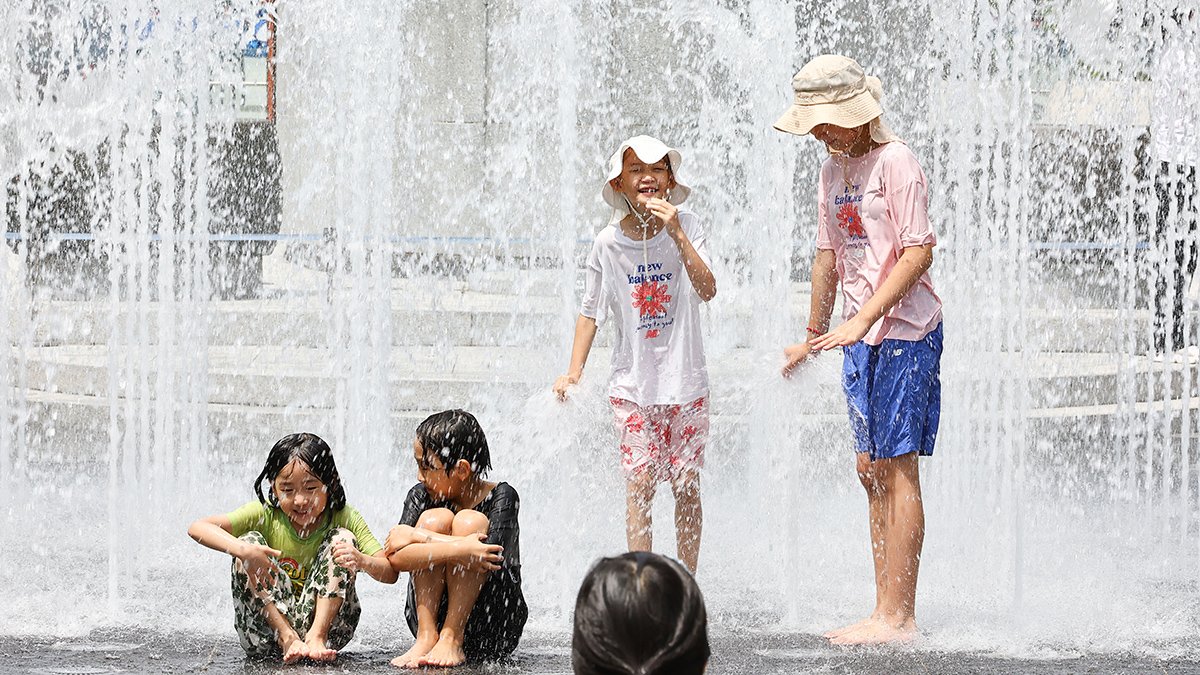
(795, 355)
(398, 537)
(562, 384)
(665, 211)
(260, 564)
(846, 334)
(478, 556)
(347, 556)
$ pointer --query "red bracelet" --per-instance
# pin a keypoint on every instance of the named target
(814, 331)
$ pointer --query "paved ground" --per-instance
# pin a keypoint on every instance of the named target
(143, 652)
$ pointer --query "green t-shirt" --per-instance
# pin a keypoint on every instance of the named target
(299, 552)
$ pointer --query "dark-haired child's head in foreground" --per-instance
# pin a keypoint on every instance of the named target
(451, 453)
(639, 613)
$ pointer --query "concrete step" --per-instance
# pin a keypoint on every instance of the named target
(422, 377)
(418, 377)
(471, 318)
(76, 427)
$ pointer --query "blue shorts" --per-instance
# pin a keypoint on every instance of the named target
(895, 394)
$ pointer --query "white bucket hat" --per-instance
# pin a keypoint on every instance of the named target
(649, 150)
(833, 89)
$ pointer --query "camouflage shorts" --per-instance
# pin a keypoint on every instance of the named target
(326, 579)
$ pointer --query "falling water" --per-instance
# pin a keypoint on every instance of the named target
(439, 168)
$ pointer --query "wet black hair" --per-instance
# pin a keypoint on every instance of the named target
(316, 454)
(452, 435)
(639, 613)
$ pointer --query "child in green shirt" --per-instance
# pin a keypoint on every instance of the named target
(296, 552)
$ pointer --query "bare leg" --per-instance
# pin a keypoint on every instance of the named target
(903, 538)
(428, 587)
(317, 636)
(462, 590)
(876, 507)
(689, 518)
(639, 527)
(904, 534)
(293, 647)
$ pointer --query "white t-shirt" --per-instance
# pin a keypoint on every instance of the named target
(658, 352)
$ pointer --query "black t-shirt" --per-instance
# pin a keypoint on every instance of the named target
(500, 506)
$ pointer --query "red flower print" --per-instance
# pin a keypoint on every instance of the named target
(688, 432)
(850, 220)
(650, 298)
(656, 427)
(634, 423)
(626, 451)
(698, 404)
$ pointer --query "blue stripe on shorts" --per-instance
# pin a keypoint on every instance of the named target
(894, 393)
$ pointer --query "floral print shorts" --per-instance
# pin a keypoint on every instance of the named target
(666, 440)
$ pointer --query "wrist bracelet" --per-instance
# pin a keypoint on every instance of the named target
(812, 330)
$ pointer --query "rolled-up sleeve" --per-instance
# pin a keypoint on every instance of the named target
(593, 287)
(907, 198)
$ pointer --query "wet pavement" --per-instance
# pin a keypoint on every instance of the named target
(113, 651)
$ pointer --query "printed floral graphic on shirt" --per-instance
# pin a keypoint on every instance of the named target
(849, 217)
(850, 220)
(651, 296)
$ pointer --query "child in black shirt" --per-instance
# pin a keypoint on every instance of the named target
(458, 537)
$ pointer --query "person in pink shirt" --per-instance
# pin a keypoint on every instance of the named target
(874, 237)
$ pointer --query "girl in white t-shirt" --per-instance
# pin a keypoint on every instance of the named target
(873, 236)
(649, 270)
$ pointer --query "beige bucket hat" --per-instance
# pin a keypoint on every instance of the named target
(649, 150)
(832, 89)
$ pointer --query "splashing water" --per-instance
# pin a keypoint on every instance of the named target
(436, 181)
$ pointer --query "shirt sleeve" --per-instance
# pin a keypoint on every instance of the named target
(246, 517)
(503, 528)
(593, 285)
(696, 234)
(352, 520)
(907, 198)
(823, 239)
(416, 503)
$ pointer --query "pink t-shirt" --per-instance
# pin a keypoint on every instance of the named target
(870, 209)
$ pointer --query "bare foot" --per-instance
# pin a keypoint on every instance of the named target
(412, 657)
(880, 632)
(294, 649)
(318, 650)
(447, 652)
(838, 632)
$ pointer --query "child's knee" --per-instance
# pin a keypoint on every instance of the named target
(341, 534)
(641, 483)
(866, 471)
(686, 486)
(437, 520)
(469, 521)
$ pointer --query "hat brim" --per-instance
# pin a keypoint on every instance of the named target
(848, 114)
(679, 193)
